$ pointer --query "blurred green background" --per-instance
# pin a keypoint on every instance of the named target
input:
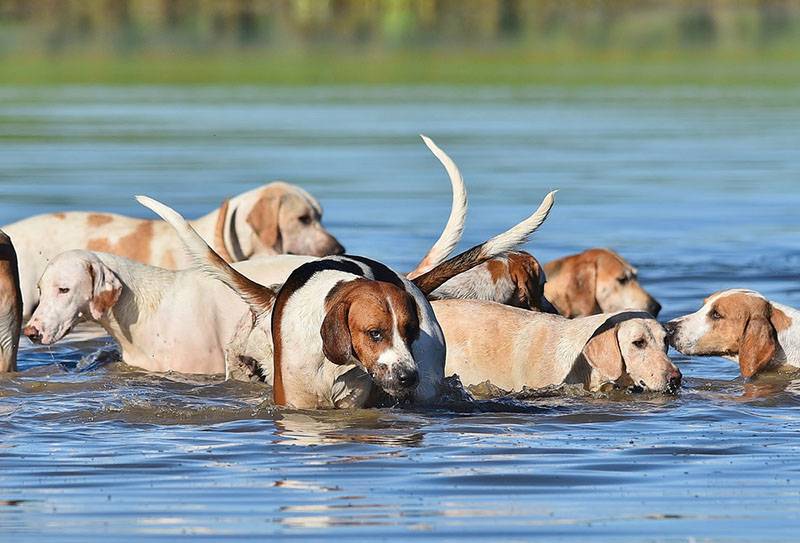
(562, 42)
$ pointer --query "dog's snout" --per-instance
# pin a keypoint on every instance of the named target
(675, 380)
(337, 249)
(32, 333)
(654, 308)
(408, 377)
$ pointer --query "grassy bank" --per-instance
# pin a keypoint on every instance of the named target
(775, 68)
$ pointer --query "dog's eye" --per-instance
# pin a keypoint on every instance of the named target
(624, 279)
(375, 335)
(63, 290)
(305, 219)
(640, 344)
(715, 315)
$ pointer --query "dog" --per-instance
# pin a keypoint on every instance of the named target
(515, 279)
(10, 305)
(277, 218)
(348, 331)
(595, 281)
(741, 325)
(513, 348)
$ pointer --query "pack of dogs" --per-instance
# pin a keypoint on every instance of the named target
(258, 289)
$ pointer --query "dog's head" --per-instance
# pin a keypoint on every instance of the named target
(596, 281)
(75, 286)
(373, 324)
(739, 323)
(280, 218)
(631, 352)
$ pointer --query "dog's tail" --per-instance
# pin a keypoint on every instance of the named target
(508, 240)
(454, 228)
(258, 297)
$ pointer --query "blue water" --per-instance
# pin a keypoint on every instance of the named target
(697, 187)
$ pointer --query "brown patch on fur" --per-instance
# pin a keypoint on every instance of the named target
(497, 269)
(603, 353)
(168, 261)
(219, 232)
(105, 300)
(96, 220)
(433, 279)
(526, 274)
(780, 320)
(135, 245)
(10, 300)
(60, 215)
(264, 215)
(571, 284)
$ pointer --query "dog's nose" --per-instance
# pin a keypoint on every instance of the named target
(654, 308)
(338, 249)
(408, 378)
(675, 380)
(32, 333)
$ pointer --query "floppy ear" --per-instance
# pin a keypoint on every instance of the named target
(758, 346)
(337, 344)
(263, 219)
(603, 354)
(577, 292)
(106, 288)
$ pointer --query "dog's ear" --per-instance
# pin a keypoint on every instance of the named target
(337, 343)
(263, 219)
(576, 290)
(603, 353)
(758, 346)
(106, 288)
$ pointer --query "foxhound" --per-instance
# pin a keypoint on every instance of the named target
(348, 331)
(10, 305)
(741, 325)
(277, 218)
(513, 348)
(595, 281)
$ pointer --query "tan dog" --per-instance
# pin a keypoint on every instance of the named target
(595, 281)
(515, 278)
(513, 348)
(10, 305)
(277, 218)
(741, 325)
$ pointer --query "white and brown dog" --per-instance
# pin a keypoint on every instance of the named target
(513, 348)
(346, 330)
(595, 281)
(277, 218)
(10, 305)
(741, 325)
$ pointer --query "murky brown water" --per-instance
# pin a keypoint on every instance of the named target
(699, 188)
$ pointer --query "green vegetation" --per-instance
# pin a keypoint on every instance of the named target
(301, 42)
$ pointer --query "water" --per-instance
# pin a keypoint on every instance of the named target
(697, 187)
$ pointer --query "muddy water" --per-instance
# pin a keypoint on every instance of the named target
(698, 187)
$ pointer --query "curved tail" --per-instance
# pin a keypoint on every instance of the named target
(258, 297)
(219, 232)
(454, 228)
(508, 240)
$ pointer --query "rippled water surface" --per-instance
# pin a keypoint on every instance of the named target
(697, 187)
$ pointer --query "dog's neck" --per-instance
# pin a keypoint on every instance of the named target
(143, 288)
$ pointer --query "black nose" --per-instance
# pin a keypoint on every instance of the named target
(407, 377)
(32, 333)
(675, 380)
(654, 308)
